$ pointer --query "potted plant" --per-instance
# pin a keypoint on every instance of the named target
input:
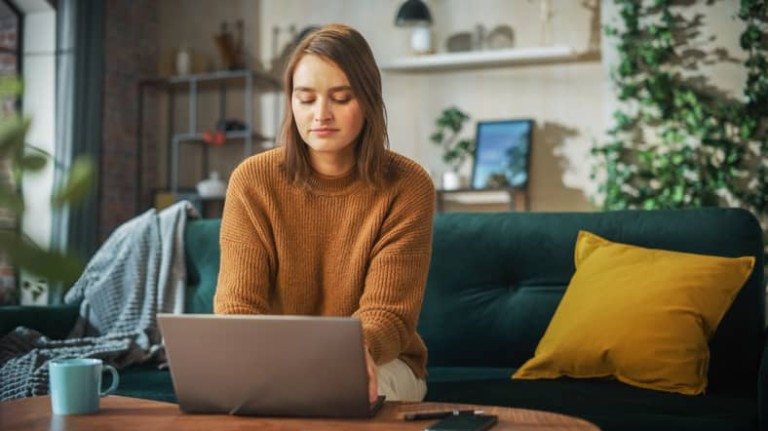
(455, 150)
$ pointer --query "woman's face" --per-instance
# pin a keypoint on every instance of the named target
(327, 114)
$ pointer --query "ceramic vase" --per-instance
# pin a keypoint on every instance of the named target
(212, 187)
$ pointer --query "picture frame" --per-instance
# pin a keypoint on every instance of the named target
(502, 153)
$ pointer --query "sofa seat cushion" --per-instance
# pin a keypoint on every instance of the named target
(147, 382)
(610, 404)
(453, 374)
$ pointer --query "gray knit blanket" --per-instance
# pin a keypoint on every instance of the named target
(138, 272)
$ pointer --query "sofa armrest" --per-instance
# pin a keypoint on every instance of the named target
(54, 321)
(762, 386)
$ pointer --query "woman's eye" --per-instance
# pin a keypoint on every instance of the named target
(342, 100)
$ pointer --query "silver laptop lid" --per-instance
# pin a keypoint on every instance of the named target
(267, 365)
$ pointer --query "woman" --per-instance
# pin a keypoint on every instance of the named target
(332, 223)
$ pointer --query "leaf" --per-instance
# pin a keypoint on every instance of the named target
(623, 121)
(12, 134)
(465, 146)
(751, 37)
(678, 193)
(449, 156)
(627, 67)
(25, 254)
(34, 162)
(748, 128)
(11, 200)
(40, 151)
(10, 87)
(78, 183)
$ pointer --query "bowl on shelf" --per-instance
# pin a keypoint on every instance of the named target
(212, 187)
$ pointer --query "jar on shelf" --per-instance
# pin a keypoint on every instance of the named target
(183, 61)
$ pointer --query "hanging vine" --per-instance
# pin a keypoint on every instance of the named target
(676, 142)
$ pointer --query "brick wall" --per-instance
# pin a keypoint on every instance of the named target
(8, 37)
(131, 54)
(8, 66)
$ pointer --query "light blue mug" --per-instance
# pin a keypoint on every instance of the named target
(75, 385)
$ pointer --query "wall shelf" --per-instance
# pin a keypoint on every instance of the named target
(515, 197)
(477, 59)
(475, 198)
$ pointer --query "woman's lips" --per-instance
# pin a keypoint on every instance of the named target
(323, 131)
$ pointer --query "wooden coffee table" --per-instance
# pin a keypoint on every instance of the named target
(123, 413)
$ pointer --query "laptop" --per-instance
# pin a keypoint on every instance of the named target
(305, 366)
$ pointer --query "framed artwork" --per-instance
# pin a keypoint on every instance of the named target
(502, 153)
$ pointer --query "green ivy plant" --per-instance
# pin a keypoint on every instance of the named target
(449, 125)
(676, 143)
(19, 159)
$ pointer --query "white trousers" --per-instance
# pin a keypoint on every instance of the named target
(398, 383)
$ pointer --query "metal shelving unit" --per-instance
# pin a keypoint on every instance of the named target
(250, 82)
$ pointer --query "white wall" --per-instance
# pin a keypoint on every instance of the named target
(39, 73)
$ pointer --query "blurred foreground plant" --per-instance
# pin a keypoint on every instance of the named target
(20, 158)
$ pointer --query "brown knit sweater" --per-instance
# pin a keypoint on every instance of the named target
(339, 248)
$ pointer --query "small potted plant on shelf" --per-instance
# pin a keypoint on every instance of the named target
(455, 150)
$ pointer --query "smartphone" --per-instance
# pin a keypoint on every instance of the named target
(464, 423)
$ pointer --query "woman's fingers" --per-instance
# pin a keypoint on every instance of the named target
(373, 379)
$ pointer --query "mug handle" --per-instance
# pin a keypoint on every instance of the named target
(115, 380)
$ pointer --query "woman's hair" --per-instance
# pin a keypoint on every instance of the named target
(347, 48)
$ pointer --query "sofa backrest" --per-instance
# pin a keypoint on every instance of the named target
(202, 257)
(496, 279)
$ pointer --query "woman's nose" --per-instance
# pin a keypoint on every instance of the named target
(322, 112)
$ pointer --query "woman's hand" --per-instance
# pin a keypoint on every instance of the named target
(373, 376)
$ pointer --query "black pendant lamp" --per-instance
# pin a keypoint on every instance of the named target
(413, 13)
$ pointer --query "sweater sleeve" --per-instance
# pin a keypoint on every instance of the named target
(247, 259)
(396, 278)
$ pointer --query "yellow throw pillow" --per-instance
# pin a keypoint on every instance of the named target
(641, 315)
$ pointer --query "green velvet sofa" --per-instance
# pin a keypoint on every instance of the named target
(495, 281)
